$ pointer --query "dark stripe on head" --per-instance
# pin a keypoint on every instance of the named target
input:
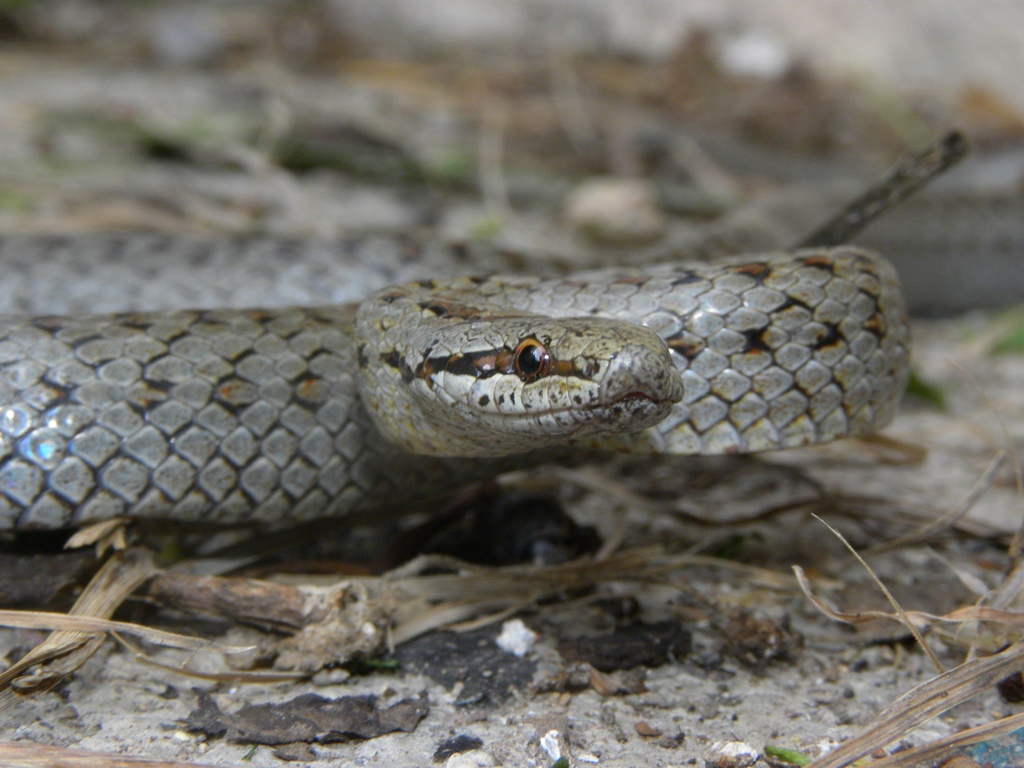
(396, 361)
(442, 308)
(479, 365)
(487, 363)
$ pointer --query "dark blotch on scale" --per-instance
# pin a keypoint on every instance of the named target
(875, 325)
(832, 336)
(791, 302)
(755, 341)
(819, 262)
(757, 270)
(682, 343)
(684, 278)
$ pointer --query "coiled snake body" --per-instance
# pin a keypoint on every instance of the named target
(283, 415)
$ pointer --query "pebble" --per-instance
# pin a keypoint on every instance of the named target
(474, 759)
(516, 638)
(615, 211)
(731, 754)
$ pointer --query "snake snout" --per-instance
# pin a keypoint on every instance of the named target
(640, 373)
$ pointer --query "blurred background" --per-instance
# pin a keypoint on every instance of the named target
(572, 132)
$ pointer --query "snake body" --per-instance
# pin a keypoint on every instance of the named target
(281, 415)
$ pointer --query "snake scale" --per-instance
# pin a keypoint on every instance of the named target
(287, 414)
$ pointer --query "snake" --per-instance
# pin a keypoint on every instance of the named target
(284, 414)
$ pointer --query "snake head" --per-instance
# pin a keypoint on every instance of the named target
(497, 385)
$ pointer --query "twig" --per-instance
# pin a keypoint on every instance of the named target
(902, 181)
(66, 650)
(940, 748)
(924, 702)
(65, 622)
(234, 676)
(23, 755)
(946, 521)
(889, 596)
(970, 613)
(275, 607)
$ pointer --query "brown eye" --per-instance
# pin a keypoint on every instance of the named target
(531, 360)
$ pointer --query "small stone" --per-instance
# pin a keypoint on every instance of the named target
(552, 743)
(731, 754)
(475, 759)
(516, 638)
(755, 54)
(615, 211)
(333, 676)
(296, 752)
(645, 729)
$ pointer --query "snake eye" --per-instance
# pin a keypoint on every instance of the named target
(531, 360)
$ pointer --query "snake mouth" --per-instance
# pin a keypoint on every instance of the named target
(638, 395)
(640, 399)
(637, 398)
